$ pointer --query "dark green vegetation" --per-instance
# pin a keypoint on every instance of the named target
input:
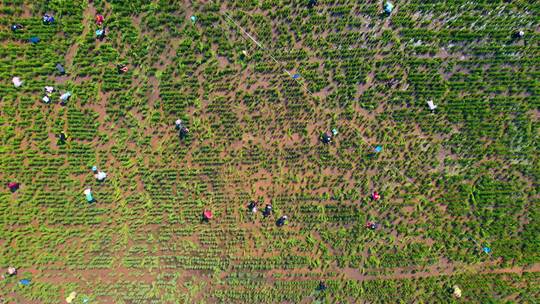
(467, 171)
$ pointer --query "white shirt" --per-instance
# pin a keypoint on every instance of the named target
(100, 175)
(17, 82)
(431, 105)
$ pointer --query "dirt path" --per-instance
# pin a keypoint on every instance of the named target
(88, 17)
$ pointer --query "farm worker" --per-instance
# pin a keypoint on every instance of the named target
(375, 196)
(193, 18)
(16, 27)
(100, 34)
(267, 210)
(281, 221)
(122, 68)
(48, 19)
(46, 99)
(100, 176)
(11, 271)
(60, 69)
(71, 297)
(334, 131)
(49, 90)
(431, 105)
(322, 286)
(88, 193)
(378, 149)
(520, 34)
(99, 19)
(252, 206)
(65, 97)
(207, 215)
(63, 137)
(371, 225)
(312, 3)
(182, 130)
(13, 186)
(456, 291)
(388, 7)
(326, 138)
(17, 82)
(25, 282)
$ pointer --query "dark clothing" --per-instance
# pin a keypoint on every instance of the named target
(62, 137)
(322, 286)
(326, 138)
(267, 210)
(281, 221)
(60, 69)
(16, 27)
(252, 205)
(312, 3)
(183, 132)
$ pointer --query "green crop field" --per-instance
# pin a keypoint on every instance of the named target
(257, 83)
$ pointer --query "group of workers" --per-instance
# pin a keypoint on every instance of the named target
(100, 177)
(183, 131)
(252, 207)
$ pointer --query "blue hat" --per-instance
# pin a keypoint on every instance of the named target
(94, 168)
